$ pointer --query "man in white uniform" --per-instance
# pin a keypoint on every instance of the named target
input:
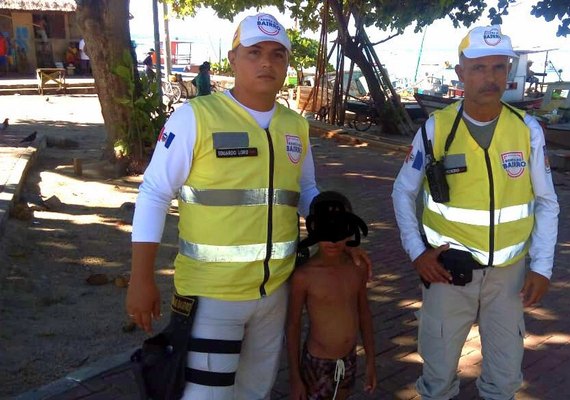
(488, 199)
(242, 168)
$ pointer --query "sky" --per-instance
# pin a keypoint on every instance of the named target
(211, 37)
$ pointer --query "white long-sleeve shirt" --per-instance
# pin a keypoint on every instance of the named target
(545, 230)
(170, 166)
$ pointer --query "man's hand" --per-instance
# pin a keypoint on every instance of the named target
(298, 391)
(143, 303)
(429, 268)
(535, 287)
(360, 257)
(370, 378)
(143, 297)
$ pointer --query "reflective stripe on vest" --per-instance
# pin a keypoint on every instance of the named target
(237, 197)
(479, 217)
(243, 253)
(499, 256)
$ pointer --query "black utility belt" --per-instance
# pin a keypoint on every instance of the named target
(460, 265)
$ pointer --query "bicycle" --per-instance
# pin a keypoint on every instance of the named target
(175, 89)
(172, 91)
(365, 115)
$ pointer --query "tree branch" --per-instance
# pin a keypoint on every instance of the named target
(385, 40)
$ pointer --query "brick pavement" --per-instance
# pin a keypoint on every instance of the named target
(366, 175)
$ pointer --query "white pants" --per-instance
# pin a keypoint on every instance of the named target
(259, 324)
(446, 316)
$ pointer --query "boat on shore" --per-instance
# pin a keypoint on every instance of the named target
(558, 135)
(552, 110)
(430, 103)
(515, 93)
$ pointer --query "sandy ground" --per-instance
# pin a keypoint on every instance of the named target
(52, 320)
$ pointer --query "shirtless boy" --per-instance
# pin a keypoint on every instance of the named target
(334, 291)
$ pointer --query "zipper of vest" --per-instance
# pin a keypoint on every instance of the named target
(270, 187)
(491, 209)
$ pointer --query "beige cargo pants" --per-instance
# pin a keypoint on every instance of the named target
(447, 314)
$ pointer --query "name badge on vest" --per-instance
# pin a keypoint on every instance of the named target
(232, 144)
(243, 152)
(455, 164)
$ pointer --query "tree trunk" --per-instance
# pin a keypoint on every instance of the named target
(104, 25)
(393, 116)
(353, 50)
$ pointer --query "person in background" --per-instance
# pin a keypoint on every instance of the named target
(488, 200)
(202, 80)
(531, 77)
(242, 168)
(41, 27)
(3, 55)
(334, 293)
(84, 58)
(149, 65)
(72, 55)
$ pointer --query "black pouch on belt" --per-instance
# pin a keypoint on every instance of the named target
(460, 265)
(162, 358)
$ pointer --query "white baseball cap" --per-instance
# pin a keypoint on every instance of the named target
(486, 41)
(260, 28)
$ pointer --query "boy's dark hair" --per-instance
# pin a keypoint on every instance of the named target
(331, 219)
(205, 66)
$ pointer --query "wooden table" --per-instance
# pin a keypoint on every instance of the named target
(46, 75)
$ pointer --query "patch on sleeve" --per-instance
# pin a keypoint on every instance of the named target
(546, 160)
(418, 161)
(166, 138)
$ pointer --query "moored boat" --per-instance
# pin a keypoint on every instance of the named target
(430, 103)
(515, 93)
(558, 135)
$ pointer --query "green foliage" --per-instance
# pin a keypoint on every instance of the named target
(222, 68)
(147, 114)
(304, 50)
(225, 9)
(387, 15)
(548, 9)
(554, 9)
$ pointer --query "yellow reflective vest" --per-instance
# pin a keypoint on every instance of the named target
(491, 209)
(238, 207)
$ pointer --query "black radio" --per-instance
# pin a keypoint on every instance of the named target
(435, 173)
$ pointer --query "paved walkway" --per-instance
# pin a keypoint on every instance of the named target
(15, 159)
(365, 172)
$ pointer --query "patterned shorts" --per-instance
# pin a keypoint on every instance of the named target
(319, 374)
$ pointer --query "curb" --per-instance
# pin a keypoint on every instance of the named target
(109, 378)
(10, 193)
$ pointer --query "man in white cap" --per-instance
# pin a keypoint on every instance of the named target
(242, 168)
(488, 200)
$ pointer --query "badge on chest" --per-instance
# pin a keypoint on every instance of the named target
(232, 144)
(455, 164)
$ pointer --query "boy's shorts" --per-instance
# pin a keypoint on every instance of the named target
(319, 374)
